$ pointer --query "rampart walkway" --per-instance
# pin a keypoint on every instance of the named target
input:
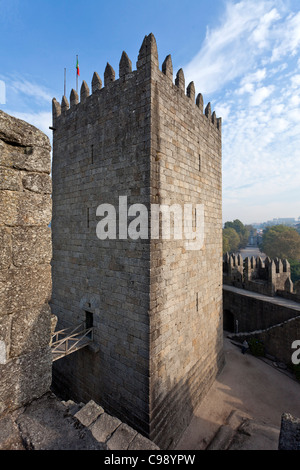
(273, 300)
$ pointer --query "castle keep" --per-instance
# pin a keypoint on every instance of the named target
(154, 305)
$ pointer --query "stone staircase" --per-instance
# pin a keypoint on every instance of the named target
(110, 430)
(240, 432)
(51, 424)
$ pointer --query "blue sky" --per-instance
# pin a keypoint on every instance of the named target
(243, 56)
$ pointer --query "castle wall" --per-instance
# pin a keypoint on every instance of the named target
(269, 277)
(277, 339)
(186, 285)
(254, 313)
(25, 271)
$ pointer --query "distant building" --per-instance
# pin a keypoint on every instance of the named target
(289, 221)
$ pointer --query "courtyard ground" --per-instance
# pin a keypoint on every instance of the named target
(244, 406)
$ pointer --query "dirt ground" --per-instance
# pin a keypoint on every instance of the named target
(246, 387)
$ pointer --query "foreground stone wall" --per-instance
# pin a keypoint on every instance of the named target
(25, 271)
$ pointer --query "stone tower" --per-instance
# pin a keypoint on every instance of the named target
(155, 304)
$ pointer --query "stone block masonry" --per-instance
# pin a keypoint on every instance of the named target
(25, 270)
(156, 307)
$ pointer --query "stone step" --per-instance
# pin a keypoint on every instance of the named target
(48, 423)
(226, 432)
(110, 430)
(242, 432)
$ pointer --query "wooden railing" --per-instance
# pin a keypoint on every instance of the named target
(72, 339)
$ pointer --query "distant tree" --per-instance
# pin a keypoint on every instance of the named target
(231, 240)
(281, 241)
(251, 229)
(226, 245)
(295, 270)
(242, 231)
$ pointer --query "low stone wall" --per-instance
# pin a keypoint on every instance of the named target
(253, 313)
(25, 255)
(277, 340)
(289, 438)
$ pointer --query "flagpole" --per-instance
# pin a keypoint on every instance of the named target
(65, 73)
(76, 74)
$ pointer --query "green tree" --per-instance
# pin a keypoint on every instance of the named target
(280, 241)
(242, 231)
(231, 240)
(295, 270)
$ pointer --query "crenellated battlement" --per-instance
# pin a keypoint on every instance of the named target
(270, 277)
(147, 58)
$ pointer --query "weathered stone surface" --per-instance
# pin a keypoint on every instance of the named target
(25, 378)
(25, 158)
(31, 245)
(89, 413)
(5, 336)
(24, 288)
(96, 82)
(10, 438)
(5, 248)
(25, 271)
(24, 208)
(54, 320)
(121, 438)
(21, 133)
(30, 329)
(38, 183)
(289, 438)
(3, 352)
(142, 443)
(45, 426)
(104, 427)
(9, 179)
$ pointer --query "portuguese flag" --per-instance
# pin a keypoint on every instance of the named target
(77, 67)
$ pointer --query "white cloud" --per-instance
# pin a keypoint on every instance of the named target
(30, 89)
(295, 81)
(261, 34)
(29, 101)
(223, 109)
(42, 120)
(287, 37)
(230, 50)
(260, 94)
(259, 104)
